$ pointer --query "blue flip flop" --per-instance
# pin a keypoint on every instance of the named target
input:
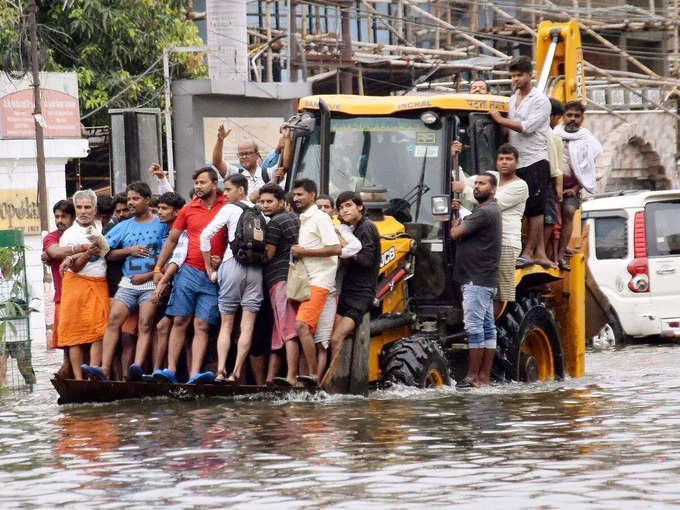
(94, 372)
(135, 372)
(202, 378)
(164, 376)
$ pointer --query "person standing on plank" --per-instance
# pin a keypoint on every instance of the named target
(281, 234)
(53, 255)
(193, 295)
(84, 306)
(240, 284)
(137, 242)
(318, 247)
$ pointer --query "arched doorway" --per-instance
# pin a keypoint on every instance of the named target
(631, 159)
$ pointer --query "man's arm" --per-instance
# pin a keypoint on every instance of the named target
(327, 251)
(162, 183)
(56, 252)
(505, 122)
(77, 262)
(217, 160)
(166, 250)
(457, 229)
(130, 251)
(215, 225)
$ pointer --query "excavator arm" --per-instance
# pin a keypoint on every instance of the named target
(559, 61)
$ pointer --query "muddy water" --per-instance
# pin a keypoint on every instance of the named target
(609, 440)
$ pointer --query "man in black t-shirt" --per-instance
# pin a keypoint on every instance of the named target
(478, 253)
(281, 234)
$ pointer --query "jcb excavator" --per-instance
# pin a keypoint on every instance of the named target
(395, 152)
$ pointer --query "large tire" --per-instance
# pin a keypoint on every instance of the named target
(414, 361)
(529, 346)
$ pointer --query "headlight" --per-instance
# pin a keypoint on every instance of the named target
(428, 118)
(441, 207)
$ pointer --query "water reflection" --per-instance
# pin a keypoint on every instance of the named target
(607, 440)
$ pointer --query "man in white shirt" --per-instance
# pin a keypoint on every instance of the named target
(84, 308)
(528, 125)
(511, 195)
(579, 152)
(240, 284)
(318, 248)
(248, 156)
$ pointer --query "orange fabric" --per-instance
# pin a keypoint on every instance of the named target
(83, 311)
(129, 327)
(310, 310)
(54, 341)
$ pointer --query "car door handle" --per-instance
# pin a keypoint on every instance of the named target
(667, 270)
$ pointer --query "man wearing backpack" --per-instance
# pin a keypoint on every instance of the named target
(240, 274)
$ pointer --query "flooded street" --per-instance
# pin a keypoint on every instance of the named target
(609, 440)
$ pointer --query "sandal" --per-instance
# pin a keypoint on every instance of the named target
(220, 377)
(563, 265)
(522, 262)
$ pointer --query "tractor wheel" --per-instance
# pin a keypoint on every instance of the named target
(414, 361)
(528, 341)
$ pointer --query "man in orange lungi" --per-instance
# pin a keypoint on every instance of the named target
(84, 307)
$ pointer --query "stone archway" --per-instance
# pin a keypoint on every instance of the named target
(639, 154)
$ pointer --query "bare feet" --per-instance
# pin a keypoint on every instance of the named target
(545, 262)
(221, 376)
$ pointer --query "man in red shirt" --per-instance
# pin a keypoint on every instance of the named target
(52, 254)
(193, 293)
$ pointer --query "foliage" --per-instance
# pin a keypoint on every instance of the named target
(12, 269)
(110, 43)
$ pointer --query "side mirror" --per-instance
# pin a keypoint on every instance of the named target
(441, 207)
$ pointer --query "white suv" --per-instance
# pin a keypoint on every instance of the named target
(633, 281)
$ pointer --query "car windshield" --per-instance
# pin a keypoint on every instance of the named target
(401, 155)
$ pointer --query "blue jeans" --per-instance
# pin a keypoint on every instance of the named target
(478, 316)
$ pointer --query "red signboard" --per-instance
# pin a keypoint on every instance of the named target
(60, 111)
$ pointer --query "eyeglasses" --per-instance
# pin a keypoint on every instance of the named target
(245, 154)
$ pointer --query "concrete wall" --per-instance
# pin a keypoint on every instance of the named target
(193, 100)
(637, 154)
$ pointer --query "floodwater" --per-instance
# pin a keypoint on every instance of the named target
(608, 440)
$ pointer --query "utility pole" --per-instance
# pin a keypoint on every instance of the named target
(346, 75)
(31, 9)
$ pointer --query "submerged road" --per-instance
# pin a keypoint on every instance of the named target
(608, 440)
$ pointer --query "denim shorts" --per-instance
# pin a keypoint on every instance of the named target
(478, 316)
(132, 298)
(240, 286)
(193, 295)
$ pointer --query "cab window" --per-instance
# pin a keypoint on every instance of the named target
(611, 239)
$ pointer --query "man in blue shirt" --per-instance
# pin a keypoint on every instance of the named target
(138, 242)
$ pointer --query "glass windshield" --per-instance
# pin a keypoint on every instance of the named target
(401, 155)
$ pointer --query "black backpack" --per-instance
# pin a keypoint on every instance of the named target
(248, 245)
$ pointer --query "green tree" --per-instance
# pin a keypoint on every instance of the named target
(113, 45)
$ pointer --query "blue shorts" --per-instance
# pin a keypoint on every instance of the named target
(132, 298)
(193, 295)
